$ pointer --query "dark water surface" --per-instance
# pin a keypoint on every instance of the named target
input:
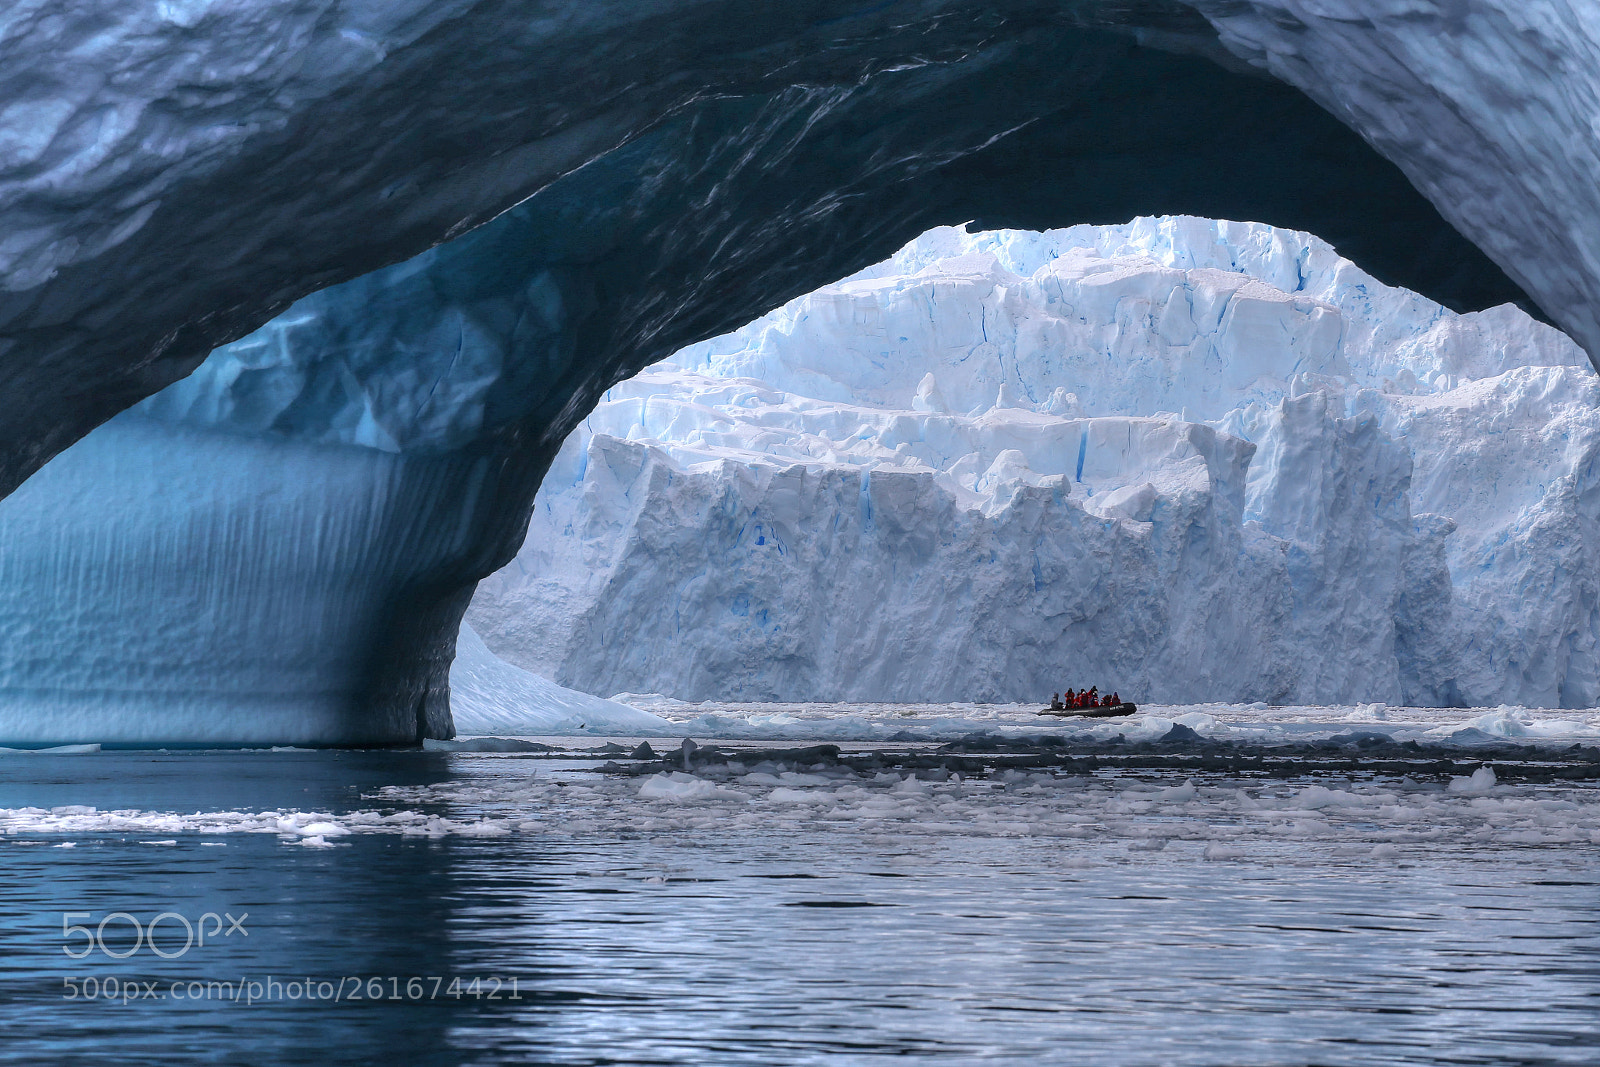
(589, 940)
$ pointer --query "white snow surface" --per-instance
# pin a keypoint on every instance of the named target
(1185, 459)
(490, 696)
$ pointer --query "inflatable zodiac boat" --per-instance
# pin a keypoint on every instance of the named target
(1105, 711)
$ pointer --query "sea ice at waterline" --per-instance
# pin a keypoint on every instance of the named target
(1188, 459)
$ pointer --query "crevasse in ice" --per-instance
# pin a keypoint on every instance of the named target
(1191, 460)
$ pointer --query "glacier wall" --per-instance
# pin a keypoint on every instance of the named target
(1189, 460)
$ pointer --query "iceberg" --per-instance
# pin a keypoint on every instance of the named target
(612, 183)
(1191, 460)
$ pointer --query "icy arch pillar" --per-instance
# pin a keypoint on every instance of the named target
(164, 584)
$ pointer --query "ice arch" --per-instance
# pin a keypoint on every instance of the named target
(707, 168)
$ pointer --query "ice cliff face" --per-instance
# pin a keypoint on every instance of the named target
(1187, 459)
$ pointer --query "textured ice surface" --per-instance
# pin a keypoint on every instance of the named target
(173, 173)
(1488, 107)
(1184, 459)
(230, 597)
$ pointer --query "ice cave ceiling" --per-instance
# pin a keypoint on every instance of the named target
(173, 175)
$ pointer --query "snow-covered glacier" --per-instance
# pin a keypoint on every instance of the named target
(1186, 459)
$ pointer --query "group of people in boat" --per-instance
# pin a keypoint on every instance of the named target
(1088, 698)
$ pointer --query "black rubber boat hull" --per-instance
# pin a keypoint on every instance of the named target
(1115, 711)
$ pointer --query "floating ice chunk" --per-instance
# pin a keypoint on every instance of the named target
(1369, 713)
(1316, 797)
(1517, 723)
(1198, 721)
(1219, 850)
(1481, 781)
(678, 786)
(1178, 794)
(1501, 722)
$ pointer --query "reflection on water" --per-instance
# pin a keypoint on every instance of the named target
(804, 939)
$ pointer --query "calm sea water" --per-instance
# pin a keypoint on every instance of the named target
(605, 930)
